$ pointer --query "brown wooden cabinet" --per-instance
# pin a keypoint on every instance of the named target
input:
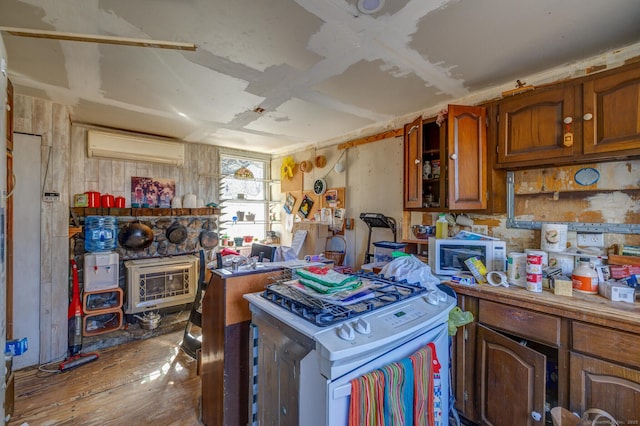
(614, 102)
(507, 367)
(531, 128)
(527, 352)
(456, 155)
(593, 118)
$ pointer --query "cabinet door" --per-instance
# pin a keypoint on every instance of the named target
(413, 164)
(614, 103)
(601, 384)
(467, 157)
(531, 127)
(511, 381)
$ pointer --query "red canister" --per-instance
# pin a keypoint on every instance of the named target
(120, 202)
(93, 198)
(107, 200)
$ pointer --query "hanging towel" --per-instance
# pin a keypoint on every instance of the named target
(437, 386)
(398, 393)
(423, 388)
(366, 407)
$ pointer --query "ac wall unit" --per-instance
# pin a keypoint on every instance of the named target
(136, 148)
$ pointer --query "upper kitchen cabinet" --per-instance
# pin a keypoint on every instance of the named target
(594, 118)
(445, 167)
(611, 113)
(532, 129)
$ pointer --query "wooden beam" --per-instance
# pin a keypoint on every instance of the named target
(373, 138)
(55, 35)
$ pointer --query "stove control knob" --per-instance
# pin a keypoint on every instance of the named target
(345, 332)
(363, 326)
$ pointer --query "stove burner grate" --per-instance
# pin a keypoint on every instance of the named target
(323, 313)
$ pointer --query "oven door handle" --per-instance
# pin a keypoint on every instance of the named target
(342, 391)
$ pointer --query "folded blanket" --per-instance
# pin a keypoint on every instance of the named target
(326, 276)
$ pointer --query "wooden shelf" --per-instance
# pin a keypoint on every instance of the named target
(92, 211)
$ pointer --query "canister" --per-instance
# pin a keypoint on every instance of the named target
(553, 237)
(120, 202)
(93, 198)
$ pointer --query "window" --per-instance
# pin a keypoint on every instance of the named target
(244, 198)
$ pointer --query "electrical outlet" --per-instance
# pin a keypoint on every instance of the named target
(590, 239)
(480, 229)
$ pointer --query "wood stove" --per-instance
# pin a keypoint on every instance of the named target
(160, 282)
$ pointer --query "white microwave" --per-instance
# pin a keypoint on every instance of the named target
(447, 256)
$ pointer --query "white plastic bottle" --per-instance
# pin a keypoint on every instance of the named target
(442, 227)
(585, 277)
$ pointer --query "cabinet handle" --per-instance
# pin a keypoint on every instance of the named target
(588, 116)
(536, 416)
(8, 107)
(453, 156)
(568, 120)
(417, 161)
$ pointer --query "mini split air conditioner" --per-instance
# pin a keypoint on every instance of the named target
(136, 148)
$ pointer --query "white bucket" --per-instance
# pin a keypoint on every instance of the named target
(516, 269)
(553, 237)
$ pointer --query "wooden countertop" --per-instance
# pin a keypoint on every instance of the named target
(591, 308)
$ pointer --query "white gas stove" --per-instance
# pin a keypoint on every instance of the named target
(304, 370)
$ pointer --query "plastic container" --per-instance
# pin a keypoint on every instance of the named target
(102, 322)
(97, 301)
(442, 227)
(383, 249)
(100, 233)
(584, 277)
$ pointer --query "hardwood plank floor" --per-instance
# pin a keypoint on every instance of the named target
(145, 382)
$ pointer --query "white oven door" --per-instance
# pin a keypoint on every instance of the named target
(339, 390)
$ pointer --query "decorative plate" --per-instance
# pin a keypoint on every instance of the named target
(319, 186)
(587, 176)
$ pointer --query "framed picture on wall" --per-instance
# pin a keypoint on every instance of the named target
(289, 202)
(152, 192)
(305, 206)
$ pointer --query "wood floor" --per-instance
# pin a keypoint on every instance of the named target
(145, 382)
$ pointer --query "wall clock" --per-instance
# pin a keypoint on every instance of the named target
(319, 186)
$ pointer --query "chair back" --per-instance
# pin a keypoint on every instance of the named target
(263, 252)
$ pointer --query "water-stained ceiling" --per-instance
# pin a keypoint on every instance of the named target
(320, 70)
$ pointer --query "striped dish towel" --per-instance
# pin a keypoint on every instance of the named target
(366, 407)
(398, 393)
(423, 395)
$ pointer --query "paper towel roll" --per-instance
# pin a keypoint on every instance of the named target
(516, 267)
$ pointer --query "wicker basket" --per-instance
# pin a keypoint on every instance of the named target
(336, 256)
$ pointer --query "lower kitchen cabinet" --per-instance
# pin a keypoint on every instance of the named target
(605, 385)
(528, 352)
(508, 367)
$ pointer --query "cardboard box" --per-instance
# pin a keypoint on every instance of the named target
(617, 292)
(16, 346)
(561, 285)
(316, 239)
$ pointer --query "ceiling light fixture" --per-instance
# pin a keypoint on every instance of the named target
(140, 42)
(370, 6)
